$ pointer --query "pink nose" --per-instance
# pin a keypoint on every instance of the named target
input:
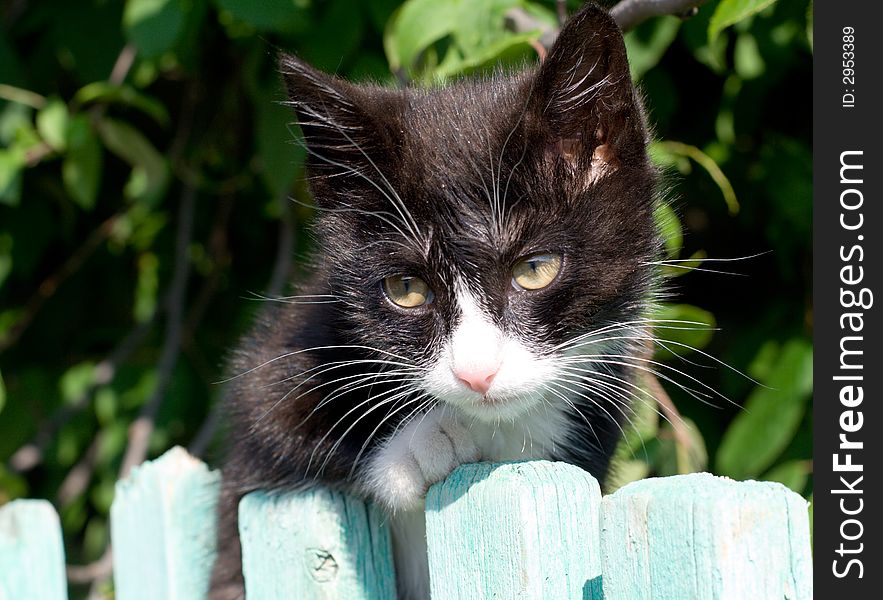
(478, 379)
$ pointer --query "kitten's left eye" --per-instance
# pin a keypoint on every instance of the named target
(407, 291)
(536, 272)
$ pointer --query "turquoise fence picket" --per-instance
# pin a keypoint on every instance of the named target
(163, 529)
(316, 544)
(527, 530)
(31, 552)
(701, 536)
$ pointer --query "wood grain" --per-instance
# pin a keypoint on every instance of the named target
(701, 536)
(31, 552)
(163, 529)
(524, 530)
(317, 544)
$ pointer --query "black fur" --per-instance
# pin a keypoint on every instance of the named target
(531, 138)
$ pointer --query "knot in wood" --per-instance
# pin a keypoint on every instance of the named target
(321, 564)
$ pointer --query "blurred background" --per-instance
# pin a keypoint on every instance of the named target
(146, 167)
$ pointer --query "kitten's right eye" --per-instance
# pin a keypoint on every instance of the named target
(407, 291)
(536, 272)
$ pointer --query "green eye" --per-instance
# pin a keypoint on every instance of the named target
(407, 291)
(536, 272)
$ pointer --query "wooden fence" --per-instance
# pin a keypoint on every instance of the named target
(528, 530)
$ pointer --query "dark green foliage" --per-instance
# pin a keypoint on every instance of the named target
(112, 113)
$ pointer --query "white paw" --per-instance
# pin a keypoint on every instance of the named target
(422, 453)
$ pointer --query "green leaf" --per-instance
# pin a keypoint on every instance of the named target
(153, 26)
(279, 155)
(747, 60)
(694, 35)
(764, 362)
(669, 228)
(683, 266)
(106, 406)
(416, 25)
(81, 169)
(786, 169)
(76, 381)
(771, 415)
(52, 124)
(380, 11)
(12, 485)
(623, 472)
(137, 394)
(150, 172)
(96, 535)
(6, 242)
(107, 93)
(113, 444)
(8, 319)
(467, 35)
(674, 149)
(17, 133)
(642, 425)
(692, 455)
(480, 34)
(264, 15)
(682, 449)
(13, 118)
(493, 53)
(793, 473)
(147, 288)
(84, 39)
(811, 509)
(12, 163)
(139, 227)
(730, 12)
(688, 328)
(647, 44)
(809, 22)
(332, 38)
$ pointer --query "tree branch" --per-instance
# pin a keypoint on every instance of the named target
(282, 268)
(49, 285)
(220, 256)
(628, 14)
(144, 424)
(95, 571)
(123, 64)
(667, 406)
(31, 454)
(561, 10)
(284, 251)
(207, 430)
(77, 479)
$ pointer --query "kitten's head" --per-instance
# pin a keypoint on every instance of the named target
(474, 231)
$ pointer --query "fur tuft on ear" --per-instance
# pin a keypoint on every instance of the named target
(584, 94)
(341, 132)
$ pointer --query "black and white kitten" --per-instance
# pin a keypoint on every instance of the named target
(485, 264)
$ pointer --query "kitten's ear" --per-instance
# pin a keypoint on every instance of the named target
(339, 130)
(585, 97)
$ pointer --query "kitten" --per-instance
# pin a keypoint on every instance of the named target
(480, 293)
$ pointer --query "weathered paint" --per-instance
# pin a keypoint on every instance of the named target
(316, 544)
(524, 530)
(701, 536)
(163, 529)
(31, 552)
